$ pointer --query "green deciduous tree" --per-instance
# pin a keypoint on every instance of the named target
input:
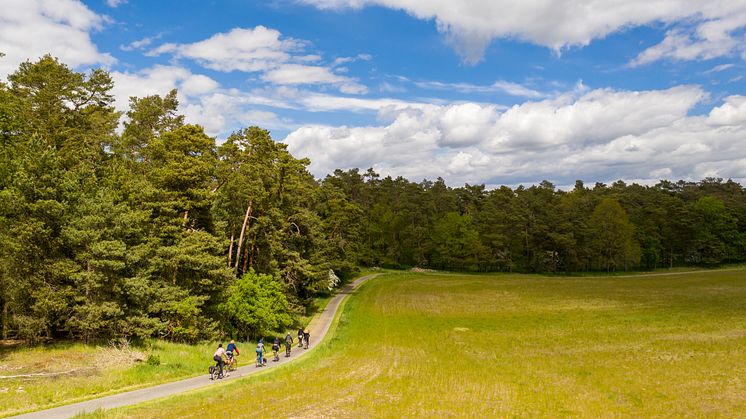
(255, 305)
(614, 239)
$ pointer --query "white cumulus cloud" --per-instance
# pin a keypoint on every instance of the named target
(707, 26)
(280, 60)
(599, 135)
(239, 49)
(202, 100)
(32, 28)
(306, 74)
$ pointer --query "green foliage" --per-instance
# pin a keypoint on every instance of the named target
(107, 235)
(613, 236)
(455, 242)
(256, 305)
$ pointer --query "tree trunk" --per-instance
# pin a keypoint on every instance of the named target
(670, 259)
(230, 249)
(253, 247)
(246, 257)
(240, 237)
(5, 319)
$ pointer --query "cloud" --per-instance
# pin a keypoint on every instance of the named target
(61, 28)
(732, 112)
(711, 39)
(280, 60)
(159, 79)
(240, 49)
(201, 99)
(343, 60)
(719, 68)
(599, 135)
(513, 89)
(115, 3)
(471, 25)
(319, 102)
(305, 74)
(140, 44)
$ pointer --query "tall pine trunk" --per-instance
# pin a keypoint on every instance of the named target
(230, 249)
(246, 257)
(240, 238)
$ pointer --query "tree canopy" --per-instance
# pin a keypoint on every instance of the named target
(161, 230)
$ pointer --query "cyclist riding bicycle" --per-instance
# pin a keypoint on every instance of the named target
(232, 350)
(218, 358)
(307, 337)
(300, 337)
(276, 349)
(260, 353)
(288, 344)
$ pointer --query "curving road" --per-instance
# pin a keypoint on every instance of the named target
(318, 328)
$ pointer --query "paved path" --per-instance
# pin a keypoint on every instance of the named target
(318, 328)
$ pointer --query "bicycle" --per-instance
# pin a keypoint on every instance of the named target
(214, 372)
(287, 348)
(232, 364)
(260, 359)
(276, 353)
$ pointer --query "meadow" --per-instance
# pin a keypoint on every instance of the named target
(433, 344)
(49, 375)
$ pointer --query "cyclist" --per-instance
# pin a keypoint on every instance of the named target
(307, 337)
(260, 353)
(218, 358)
(229, 352)
(276, 349)
(300, 337)
(288, 344)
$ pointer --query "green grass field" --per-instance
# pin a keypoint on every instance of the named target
(44, 376)
(71, 375)
(510, 345)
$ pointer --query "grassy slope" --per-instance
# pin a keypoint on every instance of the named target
(108, 376)
(113, 372)
(432, 344)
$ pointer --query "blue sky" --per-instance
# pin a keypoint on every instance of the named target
(481, 91)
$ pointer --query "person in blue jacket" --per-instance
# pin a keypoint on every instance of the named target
(231, 351)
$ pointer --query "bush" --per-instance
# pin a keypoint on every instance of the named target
(256, 305)
(154, 360)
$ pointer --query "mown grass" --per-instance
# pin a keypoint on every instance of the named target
(91, 371)
(509, 345)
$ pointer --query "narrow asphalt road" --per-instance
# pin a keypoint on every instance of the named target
(318, 328)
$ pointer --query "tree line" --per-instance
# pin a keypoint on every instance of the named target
(541, 229)
(152, 228)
